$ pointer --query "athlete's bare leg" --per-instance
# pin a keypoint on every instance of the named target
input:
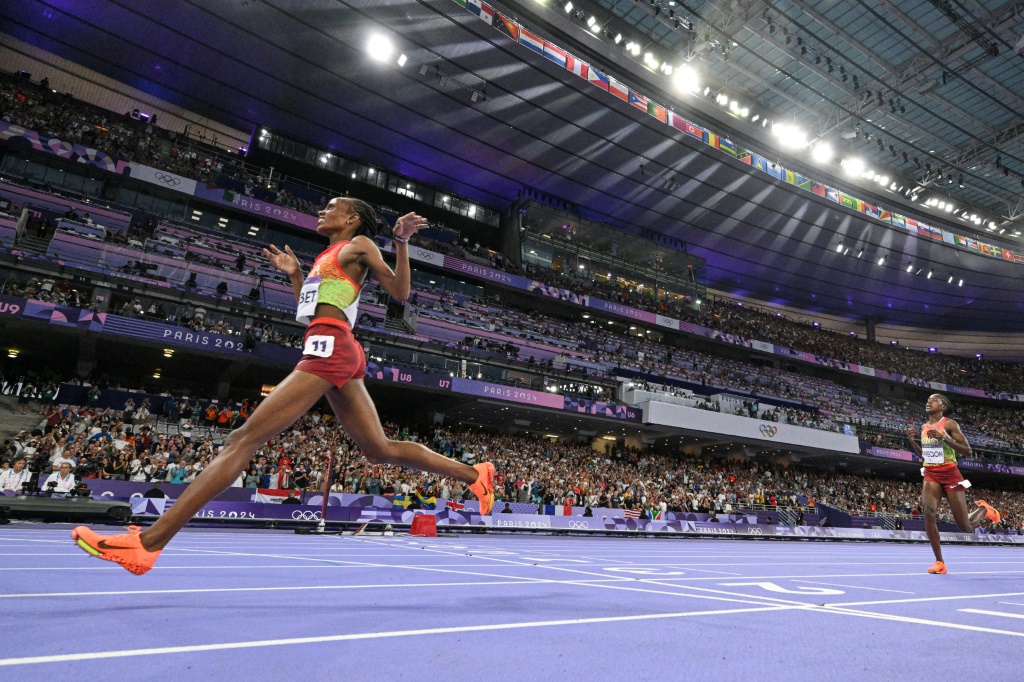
(285, 404)
(931, 496)
(358, 416)
(966, 521)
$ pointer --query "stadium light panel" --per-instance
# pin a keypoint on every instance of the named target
(380, 48)
(685, 79)
(790, 135)
(568, 7)
(822, 152)
(853, 166)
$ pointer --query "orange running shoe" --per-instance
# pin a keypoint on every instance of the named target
(938, 568)
(125, 549)
(990, 512)
(484, 487)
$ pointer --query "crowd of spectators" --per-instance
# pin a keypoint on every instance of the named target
(822, 404)
(174, 442)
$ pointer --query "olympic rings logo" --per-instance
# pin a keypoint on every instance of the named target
(769, 431)
(302, 515)
(172, 180)
(755, 531)
(578, 525)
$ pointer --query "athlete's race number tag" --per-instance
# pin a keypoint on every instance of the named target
(320, 346)
(933, 454)
(308, 299)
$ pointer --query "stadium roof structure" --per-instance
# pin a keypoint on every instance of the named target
(481, 109)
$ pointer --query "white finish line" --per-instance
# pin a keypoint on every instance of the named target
(63, 658)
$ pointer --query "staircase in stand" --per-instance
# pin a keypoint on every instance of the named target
(33, 244)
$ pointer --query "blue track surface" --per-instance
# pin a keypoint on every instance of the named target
(273, 605)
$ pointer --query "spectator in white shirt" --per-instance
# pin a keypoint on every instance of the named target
(16, 476)
(64, 480)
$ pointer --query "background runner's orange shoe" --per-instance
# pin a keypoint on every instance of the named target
(938, 568)
(125, 549)
(484, 487)
(990, 512)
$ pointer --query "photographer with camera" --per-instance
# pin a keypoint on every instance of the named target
(15, 477)
(63, 481)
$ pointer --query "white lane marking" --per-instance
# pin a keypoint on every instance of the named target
(924, 599)
(852, 587)
(61, 658)
(292, 588)
(772, 587)
(200, 567)
(1010, 603)
(641, 570)
(993, 613)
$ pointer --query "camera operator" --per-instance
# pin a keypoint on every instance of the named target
(15, 477)
(63, 480)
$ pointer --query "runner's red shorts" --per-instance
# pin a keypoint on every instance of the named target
(948, 476)
(331, 352)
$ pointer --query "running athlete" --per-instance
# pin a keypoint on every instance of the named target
(941, 441)
(332, 364)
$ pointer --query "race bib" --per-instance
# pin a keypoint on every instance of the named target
(319, 346)
(307, 300)
(933, 454)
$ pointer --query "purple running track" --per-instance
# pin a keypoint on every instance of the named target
(271, 605)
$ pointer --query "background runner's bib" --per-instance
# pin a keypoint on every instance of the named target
(934, 450)
(933, 454)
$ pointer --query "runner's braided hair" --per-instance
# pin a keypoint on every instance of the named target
(947, 406)
(368, 222)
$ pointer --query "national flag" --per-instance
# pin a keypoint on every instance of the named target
(631, 513)
(597, 78)
(461, 3)
(802, 182)
(898, 220)
(850, 202)
(972, 244)
(578, 67)
(555, 54)
(712, 140)
(274, 495)
(507, 26)
(481, 9)
(790, 177)
(638, 100)
(401, 501)
(911, 224)
(1018, 258)
(1007, 254)
(744, 157)
(454, 505)
(960, 241)
(657, 111)
(986, 250)
(885, 216)
(872, 211)
(832, 194)
(760, 163)
(618, 89)
(529, 40)
(776, 170)
(427, 502)
(818, 188)
(947, 236)
(728, 146)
